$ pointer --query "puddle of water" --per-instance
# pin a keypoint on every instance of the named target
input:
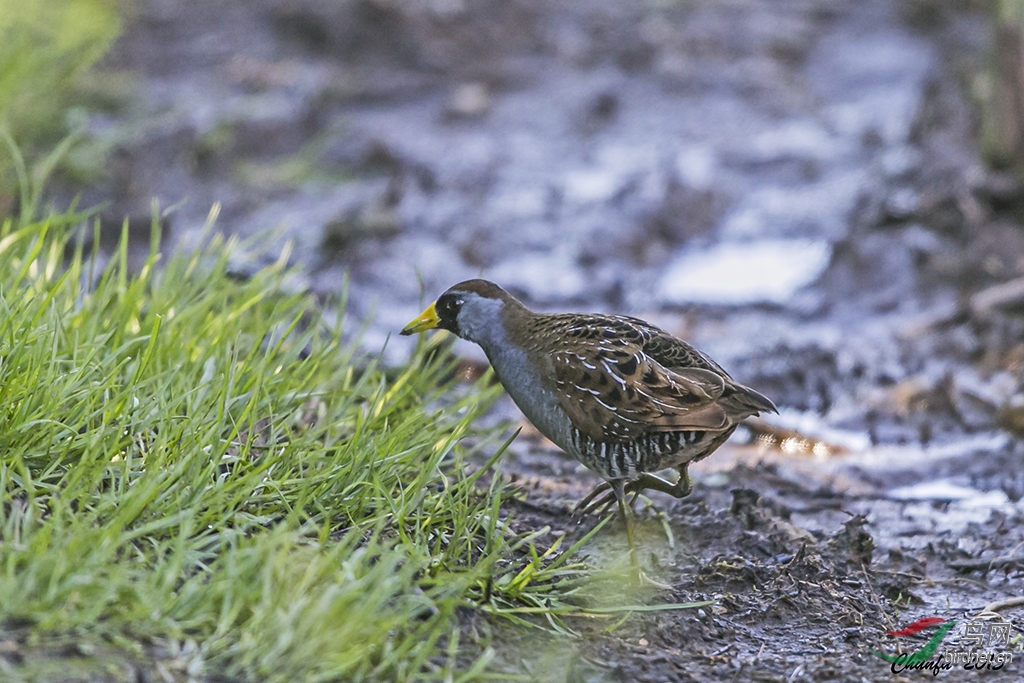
(909, 456)
(946, 490)
(769, 270)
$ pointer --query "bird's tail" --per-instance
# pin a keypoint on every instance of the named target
(754, 402)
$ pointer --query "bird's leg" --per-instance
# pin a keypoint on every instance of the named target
(683, 484)
(585, 506)
(680, 489)
(618, 488)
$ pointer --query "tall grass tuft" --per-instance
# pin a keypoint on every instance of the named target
(193, 470)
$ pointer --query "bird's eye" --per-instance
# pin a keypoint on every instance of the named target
(450, 304)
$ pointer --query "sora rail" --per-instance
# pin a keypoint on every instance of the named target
(620, 395)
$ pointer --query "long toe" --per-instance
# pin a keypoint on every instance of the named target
(599, 506)
(587, 504)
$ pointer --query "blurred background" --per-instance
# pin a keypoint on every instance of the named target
(823, 194)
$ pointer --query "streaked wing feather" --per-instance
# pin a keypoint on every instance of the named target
(614, 390)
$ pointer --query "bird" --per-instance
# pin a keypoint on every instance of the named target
(620, 395)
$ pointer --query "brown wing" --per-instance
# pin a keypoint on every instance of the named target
(613, 389)
(738, 400)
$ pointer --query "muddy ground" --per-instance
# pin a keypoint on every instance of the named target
(794, 186)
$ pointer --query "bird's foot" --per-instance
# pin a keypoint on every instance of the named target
(602, 496)
(588, 505)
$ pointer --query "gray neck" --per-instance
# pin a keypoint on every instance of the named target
(508, 360)
(481, 321)
(523, 383)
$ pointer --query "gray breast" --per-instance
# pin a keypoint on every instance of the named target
(523, 384)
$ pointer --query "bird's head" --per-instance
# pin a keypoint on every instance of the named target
(472, 310)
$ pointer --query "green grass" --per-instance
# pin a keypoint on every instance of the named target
(194, 470)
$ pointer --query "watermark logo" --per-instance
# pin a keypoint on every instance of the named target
(980, 644)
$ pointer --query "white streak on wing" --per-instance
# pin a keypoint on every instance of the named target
(614, 375)
(658, 402)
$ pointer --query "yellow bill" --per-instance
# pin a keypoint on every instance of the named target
(427, 320)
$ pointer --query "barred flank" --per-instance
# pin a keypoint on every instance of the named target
(625, 460)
